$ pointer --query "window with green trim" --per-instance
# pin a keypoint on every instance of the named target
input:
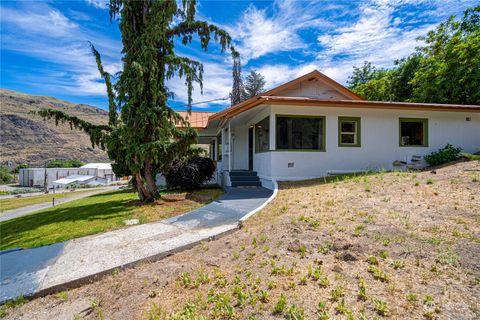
(300, 133)
(413, 132)
(262, 135)
(349, 132)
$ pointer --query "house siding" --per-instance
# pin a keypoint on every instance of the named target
(379, 136)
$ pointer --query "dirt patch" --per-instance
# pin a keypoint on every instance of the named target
(394, 245)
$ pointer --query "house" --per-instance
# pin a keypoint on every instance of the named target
(313, 126)
(30, 177)
(80, 180)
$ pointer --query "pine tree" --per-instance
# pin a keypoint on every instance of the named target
(142, 138)
(254, 85)
(237, 87)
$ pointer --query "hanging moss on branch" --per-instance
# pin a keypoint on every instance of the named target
(143, 137)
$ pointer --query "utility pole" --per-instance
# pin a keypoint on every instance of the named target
(45, 180)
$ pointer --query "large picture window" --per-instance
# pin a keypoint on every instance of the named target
(413, 132)
(300, 133)
(262, 135)
(348, 132)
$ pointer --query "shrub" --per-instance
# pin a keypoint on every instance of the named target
(65, 163)
(5, 176)
(444, 155)
(190, 174)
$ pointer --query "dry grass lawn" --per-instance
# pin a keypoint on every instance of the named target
(389, 245)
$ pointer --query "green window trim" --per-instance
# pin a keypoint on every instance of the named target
(323, 141)
(423, 121)
(357, 133)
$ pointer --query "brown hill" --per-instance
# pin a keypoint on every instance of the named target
(27, 138)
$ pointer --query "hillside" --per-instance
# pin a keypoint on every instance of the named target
(28, 138)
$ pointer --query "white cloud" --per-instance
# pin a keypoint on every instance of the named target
(99, 4)
(260, 32)
(42, 32)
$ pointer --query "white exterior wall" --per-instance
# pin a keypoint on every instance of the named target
(240, 147)
(379, 141)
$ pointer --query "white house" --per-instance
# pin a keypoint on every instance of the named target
(313, 126)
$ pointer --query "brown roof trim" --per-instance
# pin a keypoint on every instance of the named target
(253, 102)
(374, 104)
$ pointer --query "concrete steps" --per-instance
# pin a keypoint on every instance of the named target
(244, 178)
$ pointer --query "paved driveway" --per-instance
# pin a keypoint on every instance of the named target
(62, 265)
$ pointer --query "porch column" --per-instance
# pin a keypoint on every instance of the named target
(229, 148)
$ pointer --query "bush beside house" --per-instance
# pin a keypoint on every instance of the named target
(190, 174)
(446, 154)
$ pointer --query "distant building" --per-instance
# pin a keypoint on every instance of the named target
(31, 177)
(81, 180)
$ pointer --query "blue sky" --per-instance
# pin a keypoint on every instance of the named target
(44, 44)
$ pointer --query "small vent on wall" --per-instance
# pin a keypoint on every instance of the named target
(468, 119)
(291, 164)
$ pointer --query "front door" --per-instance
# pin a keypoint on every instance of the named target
(250, 148)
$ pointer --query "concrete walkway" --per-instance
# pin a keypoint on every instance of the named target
(14, 213)
(60, 266)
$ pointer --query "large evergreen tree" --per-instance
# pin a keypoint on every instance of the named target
(142, 137)
(254, 85)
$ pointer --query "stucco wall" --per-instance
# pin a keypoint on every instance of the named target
(379, 141)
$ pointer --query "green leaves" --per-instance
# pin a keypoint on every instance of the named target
(445, 70)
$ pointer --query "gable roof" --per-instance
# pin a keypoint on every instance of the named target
(315, 74)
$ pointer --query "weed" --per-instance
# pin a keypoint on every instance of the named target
(254, 242)
(264, 296)
(236, 255)
(341, 307)
(240, 295)
(271, 285)
(262, 238)
(62, 295)
(429, 181)
(294, 313)
(337, 293)
(412, 298)
(384, 254)
(204, 246)
(378, 274)
(448, 257)
(185, 280)
(280, 305)
(303, 251)
(381, 307)
(372, 260)
(362, 290)
(303, 281)
(325, 248)
(322, 311)
(11, 305)
(398, 264)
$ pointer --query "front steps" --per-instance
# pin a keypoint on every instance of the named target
(244, 178)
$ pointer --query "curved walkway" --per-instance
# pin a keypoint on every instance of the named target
(63, 265)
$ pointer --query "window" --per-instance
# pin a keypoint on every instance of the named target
(262, 135)
(348, 132)
(300, 133)
(413, 132)
(219, 147)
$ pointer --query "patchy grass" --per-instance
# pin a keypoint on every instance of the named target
(95, 214)
(335, 251)
(14, 203)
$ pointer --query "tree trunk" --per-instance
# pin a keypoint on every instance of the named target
(150, 180)
(143, 193)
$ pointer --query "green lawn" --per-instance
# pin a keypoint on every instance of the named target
(14, 203)
(472, 156)
(95, 214)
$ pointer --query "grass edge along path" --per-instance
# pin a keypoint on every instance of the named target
(96, 214)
